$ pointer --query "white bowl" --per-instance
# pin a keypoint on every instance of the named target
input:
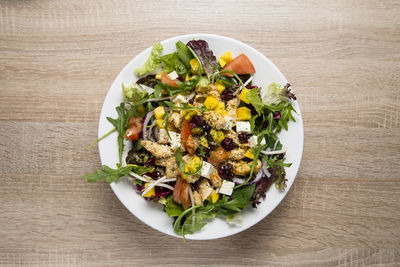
(151, 213)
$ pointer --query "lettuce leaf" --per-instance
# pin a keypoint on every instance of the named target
(172, 62)
(133, 92)
(172, 208)
(152, 61)
(205, 54)
(274, 94)
(255, 100)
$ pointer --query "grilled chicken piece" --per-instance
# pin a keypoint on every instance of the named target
(231, 107)
(204, 189)
(243, 168)
(159, 151)
(171, 168)
(197, 199)
(237, 153)
(175, 119)
(215, 179)
(215, 120)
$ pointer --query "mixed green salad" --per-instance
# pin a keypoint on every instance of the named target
(204, 137)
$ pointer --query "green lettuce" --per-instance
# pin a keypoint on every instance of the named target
(255, 100)
(273, 94)
(133, 92)
(172, 62)
(152, 62)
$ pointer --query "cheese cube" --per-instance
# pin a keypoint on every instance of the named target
(175, 140)
(173, 75)
(179, 99)
(243, 126)
(206, 170)
(253, 141)
(228, 123)
(227, 187)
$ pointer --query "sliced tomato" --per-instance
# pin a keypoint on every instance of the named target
(177, 191)
(132, 134)
(217, 156)
(181, 193)
(240, 65)
(135, 127)
(185, 132)
(167, 80)
(185, 198)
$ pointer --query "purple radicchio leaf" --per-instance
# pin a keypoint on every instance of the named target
(205, 54)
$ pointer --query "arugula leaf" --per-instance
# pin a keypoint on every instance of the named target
(120, 124)
(184, 53)
(172, 208)
(152, 61)
(173, 63)
(111, 175)
(181, 164)
(185, 106)
(255, 100)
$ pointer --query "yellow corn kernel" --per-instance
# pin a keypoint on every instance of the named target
(249, 154)
(140, 109)
(194, 64)
(227, 56)
(187, 77)
(213, 196)
(160, 123)
(159, 112)
(187, 114)
(158, 76)
(242, 95)
(221, 62)
(151, 192)
(243, 114)
(220, 86)
(220, 108)
(210, 102)
(203, 141)
(217, 136)
(193, 164)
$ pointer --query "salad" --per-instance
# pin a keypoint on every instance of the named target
(203, 137)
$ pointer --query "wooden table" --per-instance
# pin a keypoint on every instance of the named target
(58, 59)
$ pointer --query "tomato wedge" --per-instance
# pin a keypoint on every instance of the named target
(181, 193)
(177, 191)
(167, 80)
(240, 65)
(135, 127)
(185, 198)
(185, 132)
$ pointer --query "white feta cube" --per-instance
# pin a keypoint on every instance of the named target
(227, 187)
(147, 89)
(206, 170)
(175, 140)
(173, 75)
(243, 126)
(228, 123)
(253, 141)
(179, 99)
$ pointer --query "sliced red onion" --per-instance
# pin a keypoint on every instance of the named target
(155, 132)
(265, 169)
(146, 120)
(238, 180)
(257, 178)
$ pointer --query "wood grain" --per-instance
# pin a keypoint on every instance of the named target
(58, 59)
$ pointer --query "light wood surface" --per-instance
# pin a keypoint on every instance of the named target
(58, 59)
